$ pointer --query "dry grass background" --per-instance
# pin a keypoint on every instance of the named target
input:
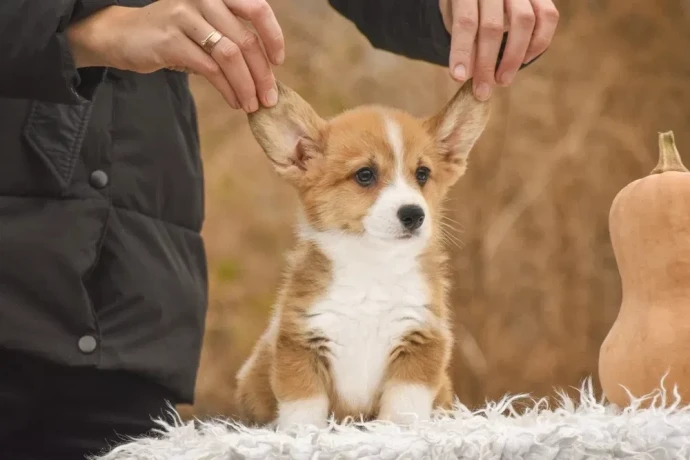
(536, 286)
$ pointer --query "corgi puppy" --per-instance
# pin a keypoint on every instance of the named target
(361, 326)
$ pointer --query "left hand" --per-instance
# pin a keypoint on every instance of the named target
(477, 27)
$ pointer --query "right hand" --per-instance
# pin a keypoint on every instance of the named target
(477, 27)
(168, 34)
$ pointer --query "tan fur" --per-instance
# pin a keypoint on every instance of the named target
(319, 158)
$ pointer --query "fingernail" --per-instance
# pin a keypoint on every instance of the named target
(482, 91)
(460, 72)
(280, 57)
(507, 78)
(253, 105)
(271, 97)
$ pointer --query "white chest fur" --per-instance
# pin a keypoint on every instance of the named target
(377, 294)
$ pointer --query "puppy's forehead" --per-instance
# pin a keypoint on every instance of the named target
(380, 133)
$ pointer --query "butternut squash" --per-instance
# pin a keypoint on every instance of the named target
(649, 225)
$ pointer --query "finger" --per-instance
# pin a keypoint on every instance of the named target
(262, 17)
(464, 31)
(546, 17)
(491, 26)
(201, 63)
(230, 59)
(521, 24)
(220, 17)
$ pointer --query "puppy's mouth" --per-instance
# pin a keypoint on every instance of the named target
(407, 235)
(398, 236)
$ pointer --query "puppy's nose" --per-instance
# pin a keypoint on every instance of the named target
(411, 216)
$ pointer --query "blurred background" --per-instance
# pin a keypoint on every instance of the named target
(535, 283)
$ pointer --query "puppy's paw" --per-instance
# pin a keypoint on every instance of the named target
(406, 403)
(312, 411)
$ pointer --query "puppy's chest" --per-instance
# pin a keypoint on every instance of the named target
(363, 317)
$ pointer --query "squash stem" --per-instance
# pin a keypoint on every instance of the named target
(669, 158)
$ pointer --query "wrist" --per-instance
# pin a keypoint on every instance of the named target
(89, 40)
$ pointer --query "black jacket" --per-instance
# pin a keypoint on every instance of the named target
(101, 193)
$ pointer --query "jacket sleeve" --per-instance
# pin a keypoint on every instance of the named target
(35, 59)
(410, 28)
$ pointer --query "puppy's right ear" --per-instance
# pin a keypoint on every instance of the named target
(290, 133)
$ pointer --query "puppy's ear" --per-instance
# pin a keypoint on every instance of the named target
(457, 127)
(289, 133)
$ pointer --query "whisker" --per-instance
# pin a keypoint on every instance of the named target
(450, 234)
(451, 220)
(447, 237)
(451, 227)
(449, 224)
(451, 242)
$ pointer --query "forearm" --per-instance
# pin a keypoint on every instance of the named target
(297, 386)
(36, 60)
(411, 28)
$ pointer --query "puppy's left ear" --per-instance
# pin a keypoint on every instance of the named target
(457, 127)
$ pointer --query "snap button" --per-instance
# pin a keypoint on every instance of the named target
(99, 179)
(87, 344)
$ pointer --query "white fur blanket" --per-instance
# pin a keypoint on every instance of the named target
(584, 429)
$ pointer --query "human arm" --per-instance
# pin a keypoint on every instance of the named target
(446, 32)
(410, 28)
(170, 34)
(58, 50)
(35, 57)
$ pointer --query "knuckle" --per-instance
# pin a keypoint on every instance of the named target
(248, 40)
(180, 11)
(278, 39)
(171, 36)
(228, 51)
(265, 80)
(461, 55)
(171, 39)
(492, 28)
(550, 14)
(524, 19)
(465, 22)
(509, 64)
(485, 69)
(244, 95)
(485, 72)
(210, 68)
(258, 9)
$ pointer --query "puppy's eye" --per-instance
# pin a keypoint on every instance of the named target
(422, 175)
(365, 177)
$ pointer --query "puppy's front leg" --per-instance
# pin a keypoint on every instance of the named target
(414, 377)
(406, 402)
(298, 385)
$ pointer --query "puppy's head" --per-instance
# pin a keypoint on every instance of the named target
(370, 170)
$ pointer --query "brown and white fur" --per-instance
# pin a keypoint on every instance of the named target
(360, 327)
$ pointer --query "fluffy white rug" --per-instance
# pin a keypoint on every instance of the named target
(584, 429)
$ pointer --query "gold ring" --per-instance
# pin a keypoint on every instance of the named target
(211, 41)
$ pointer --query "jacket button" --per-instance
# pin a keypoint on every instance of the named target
(99, 179)
(87, 344)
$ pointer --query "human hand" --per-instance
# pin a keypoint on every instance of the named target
(477, 27)
(169, 34)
